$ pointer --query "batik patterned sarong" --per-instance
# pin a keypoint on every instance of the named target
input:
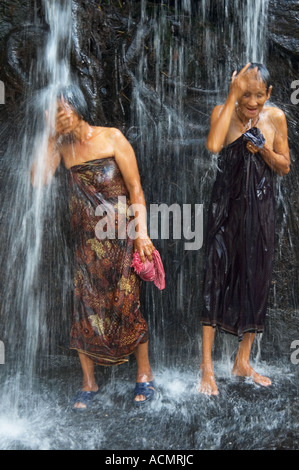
(107, 322)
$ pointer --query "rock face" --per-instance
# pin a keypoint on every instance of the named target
(156, 72)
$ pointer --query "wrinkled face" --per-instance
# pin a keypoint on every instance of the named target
(254, 98)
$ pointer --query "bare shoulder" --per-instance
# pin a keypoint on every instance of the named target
(120, 143)
(276, 115)
(217, 110)
(113, 133)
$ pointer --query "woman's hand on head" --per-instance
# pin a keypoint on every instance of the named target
(239, 81)
(64, 119)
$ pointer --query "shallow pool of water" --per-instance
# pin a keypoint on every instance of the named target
(244, 415)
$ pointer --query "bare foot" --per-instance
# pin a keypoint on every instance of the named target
(208, 384)
(246, 370)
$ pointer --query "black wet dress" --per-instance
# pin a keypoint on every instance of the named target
(240, 241)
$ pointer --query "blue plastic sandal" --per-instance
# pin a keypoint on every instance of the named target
(147, 389)
(85, 398)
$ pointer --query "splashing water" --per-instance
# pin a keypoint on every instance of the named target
(26, 294)
(35, 405)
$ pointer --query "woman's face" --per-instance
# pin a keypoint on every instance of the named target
(66, 118)
(254, 98)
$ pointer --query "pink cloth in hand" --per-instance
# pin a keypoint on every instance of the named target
(150, 270)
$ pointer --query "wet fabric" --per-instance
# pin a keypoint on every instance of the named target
(240, 241)
(107, 322)
(150, 270)
(256, 138)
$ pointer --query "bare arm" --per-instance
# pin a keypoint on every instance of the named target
(126, 160)
(44, 167)
(220, 121)
(277, 156)
(222, 114)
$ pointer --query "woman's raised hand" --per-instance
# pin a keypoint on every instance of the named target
(63, 119)
(239, 81)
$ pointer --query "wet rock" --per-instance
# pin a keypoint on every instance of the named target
(284, 26)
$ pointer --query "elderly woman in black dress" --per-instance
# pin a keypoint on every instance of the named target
(252, 140)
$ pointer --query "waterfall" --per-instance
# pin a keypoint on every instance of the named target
(255, 28)
(33, 230)
(174, 66)
(243, 26)
(174, 90)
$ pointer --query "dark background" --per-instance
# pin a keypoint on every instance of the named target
(174, 168)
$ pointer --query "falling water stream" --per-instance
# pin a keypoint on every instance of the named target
(168, 131)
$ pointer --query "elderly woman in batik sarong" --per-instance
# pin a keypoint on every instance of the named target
(104, 182)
